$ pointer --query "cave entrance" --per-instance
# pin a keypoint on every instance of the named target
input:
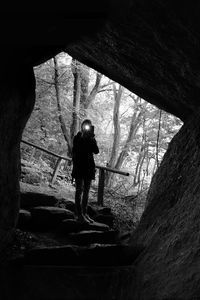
(132, 134)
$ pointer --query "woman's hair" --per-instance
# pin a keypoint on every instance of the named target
(86, 121)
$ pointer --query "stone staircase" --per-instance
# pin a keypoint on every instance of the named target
(66, 259)
(59, 239)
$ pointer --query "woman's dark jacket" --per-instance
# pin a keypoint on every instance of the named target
(82, 156)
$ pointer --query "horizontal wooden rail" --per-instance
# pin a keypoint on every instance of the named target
(69, 159)
(47, 151)
(102, 170)
(112, 170)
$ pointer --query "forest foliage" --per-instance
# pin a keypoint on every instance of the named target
(132, 134)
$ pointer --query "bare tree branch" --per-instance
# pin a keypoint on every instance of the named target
(45, 81)
(105, 90)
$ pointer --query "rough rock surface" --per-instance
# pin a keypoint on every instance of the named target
(47, 217)
(93, 255)
(24, 219)
(169, 229)
(65, 282)
(106, 219)
(151, 47)
(87, 237)
(70, 205)
(70, 225)
(31, 199)
(104, 210)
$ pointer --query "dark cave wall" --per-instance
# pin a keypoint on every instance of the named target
(169, 266)
(17, 96)
(148, 47)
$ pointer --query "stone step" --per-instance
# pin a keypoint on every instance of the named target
(44, 218)
(30, 199)
(47, 217)
(105, 219)
(24, 219)
(64, 282)
(94, 255)
(70, 226)
(67, 204)
(87, 237)
(70, 205)
(103, 210)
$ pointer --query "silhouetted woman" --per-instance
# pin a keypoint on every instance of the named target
(84, 146)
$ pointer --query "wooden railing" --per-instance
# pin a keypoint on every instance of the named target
(102, 170)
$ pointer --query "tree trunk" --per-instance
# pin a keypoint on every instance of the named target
(137, 175)
(158, 137)
(148, 159)
(17, 96)
(85, 78)
(135, 179)
(116, 138)
(86, 97)
(134, 126)
(140, 165)
(141, 156)
(76, 70)
(58, 100)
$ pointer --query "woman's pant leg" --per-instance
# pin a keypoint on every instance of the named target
(78, 193)
(86, 189)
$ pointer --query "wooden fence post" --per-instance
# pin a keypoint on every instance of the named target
(56, 169)
(101, 187)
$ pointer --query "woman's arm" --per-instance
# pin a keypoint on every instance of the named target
(75, 146)
(95, 148)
